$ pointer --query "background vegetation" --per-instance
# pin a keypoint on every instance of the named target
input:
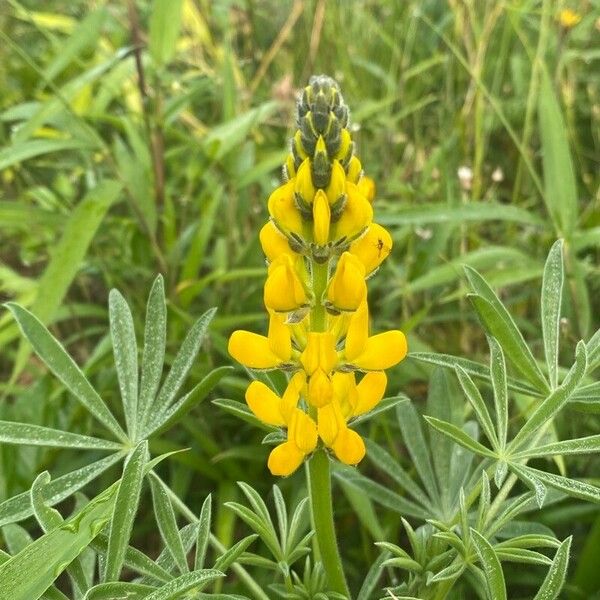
(145, 137)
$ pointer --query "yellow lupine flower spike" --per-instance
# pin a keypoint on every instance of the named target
(321, 245)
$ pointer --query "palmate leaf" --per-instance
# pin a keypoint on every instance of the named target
(460, 437)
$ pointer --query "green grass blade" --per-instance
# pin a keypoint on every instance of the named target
(165, 23)
(125, 351)
(560, 189)
(56, 358)
(125, 508)
(552, 285)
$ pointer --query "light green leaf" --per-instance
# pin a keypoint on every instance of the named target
(183, 362)
(84, 36)
(56, 358)
(20, 151)
(500, 387)
(18, 507)
(412, 434)
(165, 23)
(369, 584)
(478, 404)
(552, 285)
(125, 508)
(474, 369)
(36, 435)
(230, 556)
(119, 591)
(491, 567)
(460, 437)
(167, 524)
(125, 352)
(585, 445)
(499, 324)
(572, 487)
(525, 473)
(556, 574)
(560, 189)
(48, 556)
(439, 212)
(203, 533)
(154, 347)
(197, 394)
(555, 401)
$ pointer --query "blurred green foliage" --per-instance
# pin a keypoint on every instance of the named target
(144, 137)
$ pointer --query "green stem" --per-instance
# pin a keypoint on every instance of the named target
(319, 487)
(318, 473)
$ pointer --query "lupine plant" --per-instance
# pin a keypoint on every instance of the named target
(464, 485)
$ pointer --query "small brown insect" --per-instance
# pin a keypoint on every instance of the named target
(380, 247)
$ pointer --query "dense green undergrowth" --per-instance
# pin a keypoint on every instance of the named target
(145, 137)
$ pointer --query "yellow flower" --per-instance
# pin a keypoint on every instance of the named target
(347, 289)
(320, 353)
(337, 185)
(374, 353)
(355, 400)
(568, 18)
(301, 440)
(347, 445)
(321, 218)
(366, 186)
(303, 185)
(259, 352)
(373, 247)
(356, 216)
(273, 242)
(354, 170)
(283, 209)
(284, 291)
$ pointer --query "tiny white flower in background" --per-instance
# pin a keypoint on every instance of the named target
(424, 234)
(498, 175)
(465, 176)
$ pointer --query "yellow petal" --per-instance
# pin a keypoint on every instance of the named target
(373, 247)
(265, 404)
(252, 350)
(354, 170)
(349, 447)
(382, 351)
(345, 392)
(321, 218)
(280, 340)
(358, 333)
(319, 353)
(356, 216)
(289, 166)
(284, 291)
(370, 392)
(273, 242)
(283, 210)
(345, 141)
(348, 289)
(337, 184)
(366, 186)
(303, 182)
(328, 423)
(320, 389)
(290, 398)
(297, 141)
(285, 459)
(302, 431)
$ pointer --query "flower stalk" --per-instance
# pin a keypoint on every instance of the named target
(321, 246)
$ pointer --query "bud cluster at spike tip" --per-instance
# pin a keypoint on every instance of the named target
(321, 246)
